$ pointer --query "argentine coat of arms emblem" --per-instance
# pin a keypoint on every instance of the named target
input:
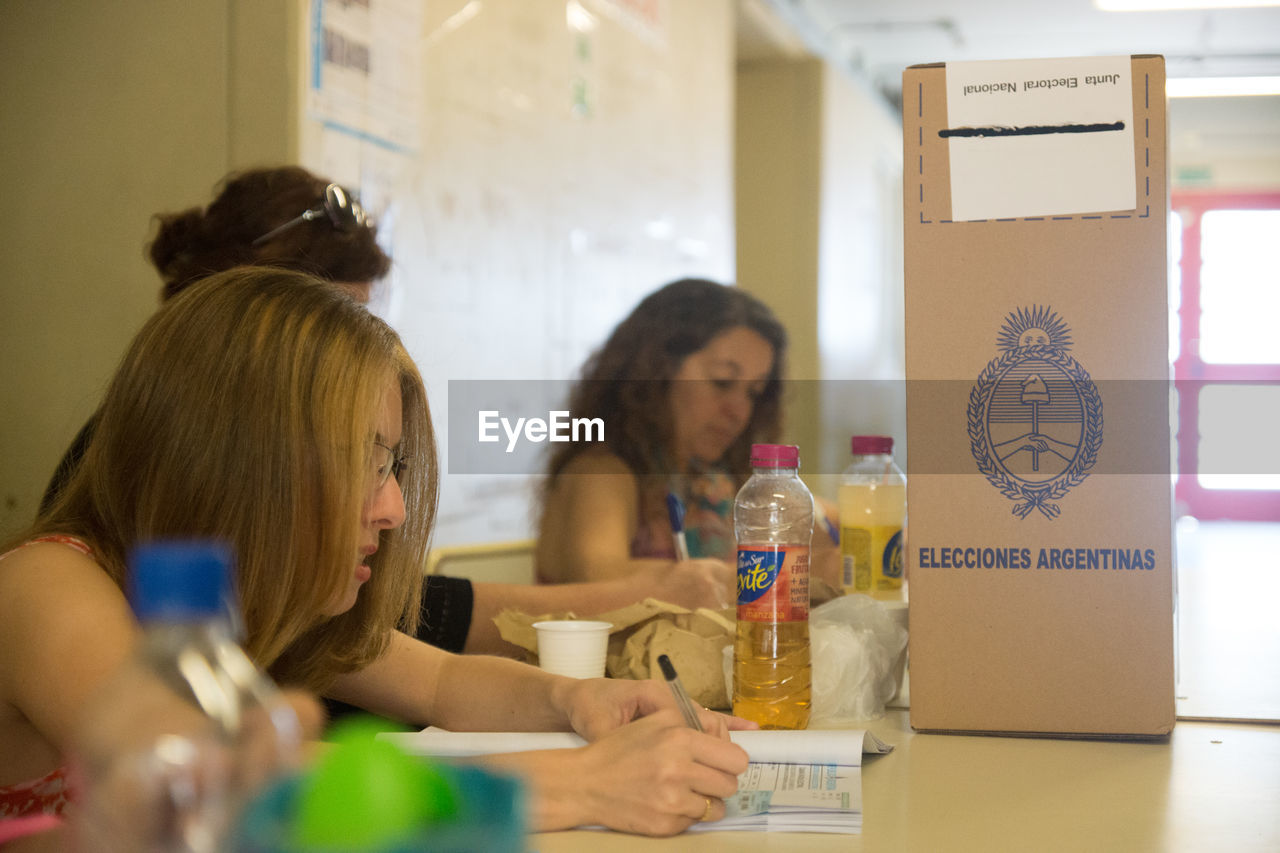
(1035, 416)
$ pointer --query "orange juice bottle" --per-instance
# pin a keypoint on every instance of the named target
(773, 520)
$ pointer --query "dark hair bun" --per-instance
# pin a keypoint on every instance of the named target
(196, 243)
(177, 241)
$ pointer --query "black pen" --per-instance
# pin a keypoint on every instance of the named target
(687, 707)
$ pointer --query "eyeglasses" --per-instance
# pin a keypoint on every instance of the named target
(344, 212)
(386, 464)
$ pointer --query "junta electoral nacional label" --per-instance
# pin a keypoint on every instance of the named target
(773, 583)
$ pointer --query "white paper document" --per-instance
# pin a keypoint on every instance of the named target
(793, 798)
(844, 747)
(1040, 137)
(797, 781)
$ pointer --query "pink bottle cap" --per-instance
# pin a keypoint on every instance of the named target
(872, 444)
(775, 456)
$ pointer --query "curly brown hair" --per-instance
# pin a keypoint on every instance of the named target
(626, 382)
(197, 242)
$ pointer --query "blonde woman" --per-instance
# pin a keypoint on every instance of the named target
(287, 217)
(268, 410)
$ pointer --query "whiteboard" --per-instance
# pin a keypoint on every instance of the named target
(557, 162)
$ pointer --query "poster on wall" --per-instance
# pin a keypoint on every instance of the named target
(365, 72)
(649, 19)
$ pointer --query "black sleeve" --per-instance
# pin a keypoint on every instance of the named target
(446, 612)
(68, 464)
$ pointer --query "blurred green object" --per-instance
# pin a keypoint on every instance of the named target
(365, 793)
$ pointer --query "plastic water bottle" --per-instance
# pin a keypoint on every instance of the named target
(873, 509)
(773, 520)
(366, 794)
(189, 729)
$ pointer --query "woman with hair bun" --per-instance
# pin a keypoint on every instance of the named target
(289, 218)
(281, 217)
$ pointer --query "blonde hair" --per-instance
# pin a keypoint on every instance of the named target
(245, 411)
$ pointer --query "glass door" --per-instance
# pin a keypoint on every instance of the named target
(1226, 353)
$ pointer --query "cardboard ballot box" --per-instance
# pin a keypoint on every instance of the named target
(1039, 523)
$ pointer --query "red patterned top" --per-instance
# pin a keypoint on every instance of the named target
(49, 793)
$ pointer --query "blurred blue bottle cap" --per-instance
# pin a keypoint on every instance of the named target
(179, 581)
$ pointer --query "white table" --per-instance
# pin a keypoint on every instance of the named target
(1210, 786)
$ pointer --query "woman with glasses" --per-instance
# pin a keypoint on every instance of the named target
(290, 218)
(264, 410)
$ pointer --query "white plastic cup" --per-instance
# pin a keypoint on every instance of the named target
(573, 647)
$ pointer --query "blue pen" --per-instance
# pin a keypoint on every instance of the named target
(675, 511)
(831, 531)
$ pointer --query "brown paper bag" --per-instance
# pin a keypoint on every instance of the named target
(694, 640)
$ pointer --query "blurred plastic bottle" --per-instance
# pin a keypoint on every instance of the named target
(873, 509)
(365, 794)
(189, 729)
(773, 520)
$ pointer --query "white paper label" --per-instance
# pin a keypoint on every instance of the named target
(1040, 137)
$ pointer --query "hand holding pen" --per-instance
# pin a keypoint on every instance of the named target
(692, 570)
(648, 771)
(687, 708)
(675, 511)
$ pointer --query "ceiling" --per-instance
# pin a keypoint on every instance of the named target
(876, 39)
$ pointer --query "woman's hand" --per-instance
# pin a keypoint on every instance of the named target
(705, 582)
(597, 706)
(654, 776)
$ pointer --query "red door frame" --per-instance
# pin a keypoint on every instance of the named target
(1192, 374)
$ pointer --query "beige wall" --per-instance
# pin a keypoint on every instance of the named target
(106, 120)
(860, 313)
(111, 112)
(818, 206)
(778, 183)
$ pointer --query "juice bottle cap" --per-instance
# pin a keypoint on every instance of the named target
(872, 444)
(775, 456)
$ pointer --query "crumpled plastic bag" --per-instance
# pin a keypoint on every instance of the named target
(854, 645)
